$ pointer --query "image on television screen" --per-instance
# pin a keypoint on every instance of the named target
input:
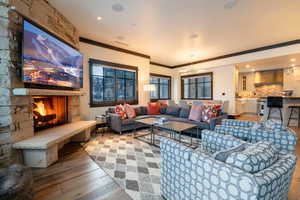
(48, 61)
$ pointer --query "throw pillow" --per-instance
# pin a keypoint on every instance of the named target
(173, 111)
(130, 112)
(274, 125)
(163, 110)
(255, 157)
(184, 112)
(223, 155)
(195, 113)
(209, 112)
(119, 109)
(153, 108)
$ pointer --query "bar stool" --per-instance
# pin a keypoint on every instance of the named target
(292, 110)
(275, 102)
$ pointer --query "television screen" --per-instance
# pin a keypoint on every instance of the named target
(49, 61)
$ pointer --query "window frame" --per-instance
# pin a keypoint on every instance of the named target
(169, 88)
(196, 85)
(114, 65)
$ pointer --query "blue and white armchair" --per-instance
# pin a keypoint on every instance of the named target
(282, 137)
(195, 174)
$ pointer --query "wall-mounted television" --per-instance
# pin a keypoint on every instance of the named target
(48, 60)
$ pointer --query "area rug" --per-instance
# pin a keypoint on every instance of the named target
(134, 165)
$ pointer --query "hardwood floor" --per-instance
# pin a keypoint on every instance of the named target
(76, 176)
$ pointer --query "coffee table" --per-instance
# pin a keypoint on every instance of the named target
(174, 129)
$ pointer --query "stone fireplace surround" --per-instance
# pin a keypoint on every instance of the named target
(40, 149)
(16, 123)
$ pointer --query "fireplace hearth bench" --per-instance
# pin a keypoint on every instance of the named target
(41, 150)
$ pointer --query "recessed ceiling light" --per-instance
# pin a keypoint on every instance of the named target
(193, 36)
(99, 18)
(229, 4)
(117, 7)
(120, 37)
(247, 66)
(293, 60)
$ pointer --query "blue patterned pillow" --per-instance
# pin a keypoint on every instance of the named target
(274, 125)
(255, 157)
(223, 155)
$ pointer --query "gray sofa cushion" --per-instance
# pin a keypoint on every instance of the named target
(173, 111)
(138, 111)
(184, 112)
(163, 110)
(144, 110)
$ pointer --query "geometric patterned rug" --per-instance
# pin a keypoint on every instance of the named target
(133, 164)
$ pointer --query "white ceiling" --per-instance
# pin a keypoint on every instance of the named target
(280, 62)
(163, 28)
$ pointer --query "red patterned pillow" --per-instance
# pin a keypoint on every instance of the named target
(209, 112)
(154, 108)
(119, 109)
(130, 112)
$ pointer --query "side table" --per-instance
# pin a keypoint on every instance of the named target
(102, 124)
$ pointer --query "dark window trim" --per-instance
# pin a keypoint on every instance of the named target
(194, 75)
(112, 103)
(169, 89)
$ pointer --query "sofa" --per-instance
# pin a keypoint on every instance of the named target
(283, 138)
(171, 113)
(196, 174)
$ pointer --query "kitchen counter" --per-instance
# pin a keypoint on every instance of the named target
(284, 97)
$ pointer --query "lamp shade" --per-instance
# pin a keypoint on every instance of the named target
(149, 88)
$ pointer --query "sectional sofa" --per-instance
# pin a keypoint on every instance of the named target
(171, 113)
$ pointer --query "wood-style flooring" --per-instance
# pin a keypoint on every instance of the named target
(77, 176)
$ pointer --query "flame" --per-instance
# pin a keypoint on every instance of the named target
(40, 108)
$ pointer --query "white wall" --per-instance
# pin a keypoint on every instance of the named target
(224, 81)
(95, 52)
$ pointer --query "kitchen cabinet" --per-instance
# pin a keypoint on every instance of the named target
(246, 106)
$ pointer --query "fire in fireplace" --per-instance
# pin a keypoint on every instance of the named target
(49, 111)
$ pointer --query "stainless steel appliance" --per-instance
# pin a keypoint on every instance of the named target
(261, 106)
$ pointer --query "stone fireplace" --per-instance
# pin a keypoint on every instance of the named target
(49, 111)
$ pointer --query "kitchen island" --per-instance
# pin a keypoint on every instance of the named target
(275, 114)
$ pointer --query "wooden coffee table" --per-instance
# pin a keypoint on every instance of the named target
(174, 128)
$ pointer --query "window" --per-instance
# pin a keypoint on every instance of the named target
(162, 87)
(197, 86)
(112, 84)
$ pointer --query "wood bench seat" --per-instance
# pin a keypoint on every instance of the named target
(41, 150)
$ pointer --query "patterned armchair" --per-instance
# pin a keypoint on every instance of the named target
(284, 140)
(195, 174)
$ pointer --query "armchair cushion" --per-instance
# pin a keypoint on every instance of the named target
(274, 125)
(223, 155)
(254, 158)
